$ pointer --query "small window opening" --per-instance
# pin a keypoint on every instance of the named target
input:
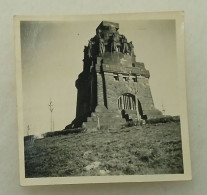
(125, 78)
(116, 77)
(134, 79)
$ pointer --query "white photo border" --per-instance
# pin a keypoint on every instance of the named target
(180, 46)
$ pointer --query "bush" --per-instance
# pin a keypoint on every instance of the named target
(63, 132)
(164, 119)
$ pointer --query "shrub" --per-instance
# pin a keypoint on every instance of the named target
(164, 119)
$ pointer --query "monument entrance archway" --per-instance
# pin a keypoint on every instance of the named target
(130, 107)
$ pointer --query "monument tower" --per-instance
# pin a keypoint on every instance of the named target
(112, 88)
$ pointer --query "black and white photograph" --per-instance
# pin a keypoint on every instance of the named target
(101, 98)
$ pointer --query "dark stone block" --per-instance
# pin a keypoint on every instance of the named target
(105, 25)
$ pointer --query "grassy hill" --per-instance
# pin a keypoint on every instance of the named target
(147, 149)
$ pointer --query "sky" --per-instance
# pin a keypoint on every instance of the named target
(52, 54)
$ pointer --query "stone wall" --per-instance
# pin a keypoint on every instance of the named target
(140, 88)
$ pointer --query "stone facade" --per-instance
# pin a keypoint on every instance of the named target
(113, 88)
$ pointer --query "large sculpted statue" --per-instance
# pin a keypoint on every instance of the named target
(125, 48)
(90, 44)
(107, 42)
(131, 48)
(101, 46)
(114, 42)
(99, 34)
(85, 51)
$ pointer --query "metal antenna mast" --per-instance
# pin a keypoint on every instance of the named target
(163, 109)
(51, 107)
(28, 129)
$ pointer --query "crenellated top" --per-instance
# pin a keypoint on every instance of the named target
(106, 27)
(108, 39)
(110, 51)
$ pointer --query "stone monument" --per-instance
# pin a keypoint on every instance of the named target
(112, 88)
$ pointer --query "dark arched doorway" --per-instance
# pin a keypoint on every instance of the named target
(130, 107)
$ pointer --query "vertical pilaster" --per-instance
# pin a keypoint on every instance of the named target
(100, 95)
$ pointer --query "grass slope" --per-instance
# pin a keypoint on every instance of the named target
(148, 149)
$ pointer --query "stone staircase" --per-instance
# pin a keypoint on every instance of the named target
(104, 120)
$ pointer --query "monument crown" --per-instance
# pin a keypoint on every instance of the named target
(105, 25)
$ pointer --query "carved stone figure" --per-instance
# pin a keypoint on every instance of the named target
(85, 51)
(121, 42)
(99, 34)
(131, 48)
(90, 44)
(125, 46)
(113, 43)
(101, 47)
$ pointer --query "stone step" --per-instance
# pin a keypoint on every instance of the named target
(103, 114)
(104, 118)
(105, 122)
(103, 125)
(89, 125)
(92, 118)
